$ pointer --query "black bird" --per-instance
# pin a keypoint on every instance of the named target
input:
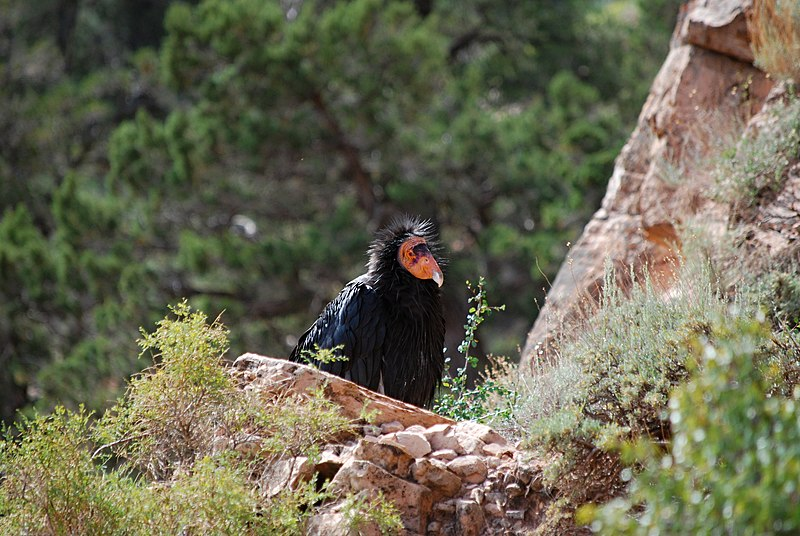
(389, 322)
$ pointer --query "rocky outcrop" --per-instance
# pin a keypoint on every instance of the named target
(444, 477)
(705, 93)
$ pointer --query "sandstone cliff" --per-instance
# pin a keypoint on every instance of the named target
(707, 93)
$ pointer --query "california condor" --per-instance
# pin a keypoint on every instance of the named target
(388, 323)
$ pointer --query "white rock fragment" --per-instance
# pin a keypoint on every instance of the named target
(470, 468)
(391, 427)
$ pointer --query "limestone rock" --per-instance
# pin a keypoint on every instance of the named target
(261, 372)
(435, 475)
(469, 468)
(387, 455)
(415, 443)
(413, 501)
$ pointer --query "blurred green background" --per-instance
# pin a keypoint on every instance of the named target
(242, 152)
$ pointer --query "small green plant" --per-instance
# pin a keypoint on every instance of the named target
(363, 510)
(775, 37)
(455, 399)
(323, 355)
(733, 466)
(757, 164)
(172, 411)
(626, 363)
(213, 497)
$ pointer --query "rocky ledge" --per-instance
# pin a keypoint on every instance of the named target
(445, 477)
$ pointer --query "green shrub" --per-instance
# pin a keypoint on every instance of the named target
(757, 164)
(173, 440)
(734, 462)
(49, 483)
(172, 411)
(365, 509)
(613, 381)
(775, 37)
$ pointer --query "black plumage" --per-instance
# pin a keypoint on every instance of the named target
(389, 322)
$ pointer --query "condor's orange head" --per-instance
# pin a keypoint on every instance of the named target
(414, 256)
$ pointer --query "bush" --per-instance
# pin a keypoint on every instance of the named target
(173, 442)
(49, 483)
(757, 164)
(775, 37)
(733, 467)
(613, 381)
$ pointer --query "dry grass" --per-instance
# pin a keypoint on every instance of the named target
(775, 37)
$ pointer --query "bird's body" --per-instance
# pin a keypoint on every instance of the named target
(387, 324)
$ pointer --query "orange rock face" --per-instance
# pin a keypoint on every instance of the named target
(705, 94)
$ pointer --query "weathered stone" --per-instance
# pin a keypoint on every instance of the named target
(445, 507)
(470, 518)
(442, 437)
(493, 509)
(498, 451)
(514, 490)
(412, 500)
(515, 514)
(415, 443)
(444, 454)
(493, 463)
(284, 376)
(389, 456)
(333, 521)
(469, 444)
(329, 463)
(371, 430)
(391, 427)
(469, 468)
(329, 523)
(495, 497)
(286, 473)
(481, 431)
(435, 475)
(477, 495)
(720, 26)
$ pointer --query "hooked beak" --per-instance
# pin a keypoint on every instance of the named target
(438, 276)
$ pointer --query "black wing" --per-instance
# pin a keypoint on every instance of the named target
(353, 321)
